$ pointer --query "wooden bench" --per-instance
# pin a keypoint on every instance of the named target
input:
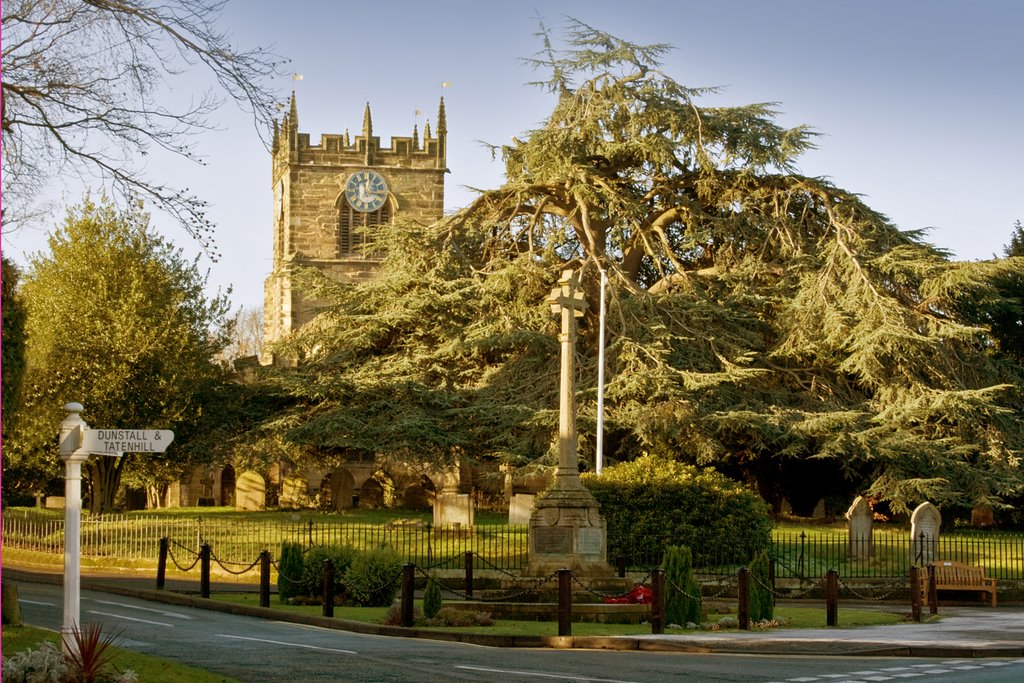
(957, 576)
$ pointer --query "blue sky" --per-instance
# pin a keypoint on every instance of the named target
(919, 103)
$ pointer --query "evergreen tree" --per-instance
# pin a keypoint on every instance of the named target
(764, 322)
(13, 371)
(761, 599)
(118, 321)
(682, 594)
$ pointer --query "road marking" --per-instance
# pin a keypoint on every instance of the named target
(36, 602)
(537, 674)
(121, 616)
(145, 609)
(280, 642)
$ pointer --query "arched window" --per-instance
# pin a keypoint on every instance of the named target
(355, 228)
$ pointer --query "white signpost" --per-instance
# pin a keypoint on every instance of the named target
(77, 443)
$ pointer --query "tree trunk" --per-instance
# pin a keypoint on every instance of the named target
(9, 604)
(105, 478)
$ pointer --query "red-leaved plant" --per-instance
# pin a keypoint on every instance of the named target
(90, 652)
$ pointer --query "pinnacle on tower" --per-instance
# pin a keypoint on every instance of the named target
(367, 123)
(293, 112)
(415, 137)
(442, 123)
(276, 140)
(426, 131)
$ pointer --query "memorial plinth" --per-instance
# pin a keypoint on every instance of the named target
(566, 526)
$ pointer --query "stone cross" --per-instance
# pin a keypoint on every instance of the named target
(567, 300)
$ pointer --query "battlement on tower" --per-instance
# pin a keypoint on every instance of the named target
(293, 147)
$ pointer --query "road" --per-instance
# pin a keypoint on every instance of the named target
(263, 651)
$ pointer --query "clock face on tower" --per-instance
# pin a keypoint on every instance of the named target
(366, 191)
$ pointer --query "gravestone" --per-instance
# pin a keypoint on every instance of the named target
(520, 508)
(924, 533)
(416, 497)
(294, 492)
(566, 526)
(452, 508)
(982, 517)
(250, 492)
(859, 518)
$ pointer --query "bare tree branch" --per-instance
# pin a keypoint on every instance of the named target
(82, 94)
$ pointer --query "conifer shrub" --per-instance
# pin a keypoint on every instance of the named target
(682, 592)
(373, 578)
(290, 569)
(759, 592)
(313, 569)
(431, 598)
(653, 502)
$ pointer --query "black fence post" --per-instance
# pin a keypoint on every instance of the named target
(771, 573)
(832, 598)
(265, 578)
(743, 595)
(469, 573)
(161, 564)
(657, 600)
(328, 588)
(408, 590)
(565, 602)
(204, 570)
(620, 564)
(933, 593)
(915, 594)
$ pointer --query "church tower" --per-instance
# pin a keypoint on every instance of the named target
(328, 198)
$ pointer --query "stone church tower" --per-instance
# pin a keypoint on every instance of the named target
(329, 197)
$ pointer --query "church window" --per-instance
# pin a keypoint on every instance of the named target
(355, 228)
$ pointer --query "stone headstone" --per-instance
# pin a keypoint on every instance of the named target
(452, 509)
(416, 497)
(982, 517)
(924, 533)
(520, 508)
(250, 492)
(55, 502)
(859, 518)
(294, 492)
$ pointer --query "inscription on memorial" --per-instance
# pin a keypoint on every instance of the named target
(552, 540)
(590, 540)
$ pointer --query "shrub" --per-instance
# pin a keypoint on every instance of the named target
(372, 580)
(313, 569)
(759, 592)
(447, 616)
(290, 570)
(682, 592)
(90, 661)
(451, 616)
(46, 663)
(431, 598)
(651, 503)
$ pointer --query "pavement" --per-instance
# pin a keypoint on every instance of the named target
(956, 631)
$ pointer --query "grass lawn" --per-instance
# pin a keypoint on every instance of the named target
(150, 669)
(793, 617)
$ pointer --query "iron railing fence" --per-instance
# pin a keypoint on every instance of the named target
(134, 537)
(797, 554)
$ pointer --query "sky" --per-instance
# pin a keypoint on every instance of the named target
(918, 103)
